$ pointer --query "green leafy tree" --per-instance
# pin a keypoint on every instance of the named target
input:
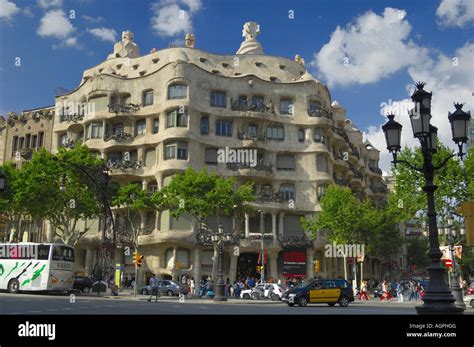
(451, 180)
(41, 181)
(417, 252)
(11, 208)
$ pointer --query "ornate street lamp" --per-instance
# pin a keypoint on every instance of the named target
(438, 298)
(2, 182)
(219, 240)
(450, 231)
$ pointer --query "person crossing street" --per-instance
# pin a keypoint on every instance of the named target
(154, 288)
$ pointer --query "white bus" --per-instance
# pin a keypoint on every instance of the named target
(29, 266)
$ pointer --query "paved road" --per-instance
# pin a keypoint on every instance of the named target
(32, 304)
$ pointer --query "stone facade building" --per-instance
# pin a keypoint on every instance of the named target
(153, 116)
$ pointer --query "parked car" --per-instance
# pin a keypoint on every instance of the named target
(165, 287)
(469, 300)
(470, 289)
(320, 291)
(270, 290)
(82, 283)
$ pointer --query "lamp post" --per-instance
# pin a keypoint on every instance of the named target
(450, 231)
(218, 240)
(438, 299)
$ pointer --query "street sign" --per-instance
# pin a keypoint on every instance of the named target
(448, 262)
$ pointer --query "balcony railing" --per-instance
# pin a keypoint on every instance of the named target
(318, 112)
(124, 164)
(260, 166)
(247, 105)
(73, 117)
(123, 108)
(295, 241)
(265, 196)
(119, 137)
(257, 137)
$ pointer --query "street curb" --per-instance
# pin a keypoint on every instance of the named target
(196, 301)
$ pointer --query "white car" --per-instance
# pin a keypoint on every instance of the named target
(271, 290)
(469, 300)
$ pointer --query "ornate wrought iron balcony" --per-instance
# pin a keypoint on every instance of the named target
(119, 137)
(340, 181)
(295, 241)
(379, 189)
(124, 164)
(247, 105)
(123, 108)
(265, 196)
(245, 136)
(73, 117)
(260, 166)
(318, 112)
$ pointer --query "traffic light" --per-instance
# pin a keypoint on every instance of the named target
(316, 266)
(137, 259)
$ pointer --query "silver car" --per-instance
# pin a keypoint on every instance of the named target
(165, 287)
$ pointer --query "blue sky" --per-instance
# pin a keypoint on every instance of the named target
(55, 45)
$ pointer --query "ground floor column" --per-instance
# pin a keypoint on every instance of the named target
(197, 266)
(233, 267)
(89, 263)
(273, 260)
(309, 263)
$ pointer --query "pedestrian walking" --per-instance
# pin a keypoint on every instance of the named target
(400, 292)
(363, 291)
(385, 293)
(154, 288)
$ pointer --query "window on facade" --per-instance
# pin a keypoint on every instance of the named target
(94, 131)
(321, 163)
(148, 98)
(204, 125)
(275, 133)
(156, 125)
(114, 156)
(62, 140)
(286, 106)
(177, 91)
(319, 135)
(176, 119)
(15, 144)
(117, 128)
(176, 150)
(314, 109)
(224, 128)
(252, 130)
(169, 259)
(27, 140)
(321, 190)
(301, 135)
(287, 192)
(22, 142)
(140, 127)
(285, 162)
(182, 258)
(41, 139)
(210, 156)
(218, 99)
(99, 103)
(257, 100)
(150, 157)
(33, 141)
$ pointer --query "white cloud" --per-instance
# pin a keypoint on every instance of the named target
(55, 24)
(455, 13)
(104, 34)
(172, 17)
(7, 9)
(45, 4)
(451, 80)
(93, 19)
(369, 49)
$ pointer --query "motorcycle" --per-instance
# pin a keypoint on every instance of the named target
(257, 293)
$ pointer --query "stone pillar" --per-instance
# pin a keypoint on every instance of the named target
(197, 266)
(247, 225)
(309, 263)
(281, 225)
(274, 228)
(89, 263)
(272, 259)
(49, 232)
(233, 267)
(173, 269)
(144, 184)
(262, 223)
